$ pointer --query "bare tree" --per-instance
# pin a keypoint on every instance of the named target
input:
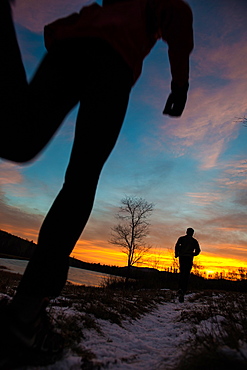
(133, 228)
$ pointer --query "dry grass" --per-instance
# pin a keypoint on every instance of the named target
(8, 282)
(219, 333)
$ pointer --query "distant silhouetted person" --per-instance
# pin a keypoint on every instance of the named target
(186, 248)
(94, 58)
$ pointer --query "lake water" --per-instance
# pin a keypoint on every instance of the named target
(75, 276)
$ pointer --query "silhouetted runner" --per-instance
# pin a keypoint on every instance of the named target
(186, 248)
(94, 58)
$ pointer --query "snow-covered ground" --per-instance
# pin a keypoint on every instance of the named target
(151, 342)
(158, 339)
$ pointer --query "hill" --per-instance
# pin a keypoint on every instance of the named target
(12, 246)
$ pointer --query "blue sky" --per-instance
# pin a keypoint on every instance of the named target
(193, 168)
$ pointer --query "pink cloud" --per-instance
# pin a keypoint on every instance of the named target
(208, 123)
(35, 14)
(225, 60)
(203, 198)
(216, 97)
(234, 175)
(12, 179)
(10, 173)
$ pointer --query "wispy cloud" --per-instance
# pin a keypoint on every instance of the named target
(234, 175)
(209, 122)
(203, 199)
(216, 97)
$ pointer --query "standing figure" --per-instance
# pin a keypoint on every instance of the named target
(186, 249)
(94, 58)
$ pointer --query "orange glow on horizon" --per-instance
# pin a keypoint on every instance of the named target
(99, 252)
(96, 252)
(28, 234)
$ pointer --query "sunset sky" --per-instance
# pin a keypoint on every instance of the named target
(194, 169)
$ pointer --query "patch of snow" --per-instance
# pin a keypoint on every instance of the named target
(151, 342)
(146, 343)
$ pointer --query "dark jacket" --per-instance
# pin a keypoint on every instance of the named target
(187, 246)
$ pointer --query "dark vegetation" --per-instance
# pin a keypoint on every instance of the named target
(219, 332)
(12, 246)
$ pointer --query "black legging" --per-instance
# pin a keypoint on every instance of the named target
(185, 264)
(88, 71)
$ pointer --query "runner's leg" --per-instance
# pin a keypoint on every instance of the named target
(31, 113)
(185, 268)
(99, 121)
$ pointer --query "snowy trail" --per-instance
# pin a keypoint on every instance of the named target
(159, 340)
(150, 343)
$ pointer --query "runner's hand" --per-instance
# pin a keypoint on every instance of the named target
(176, 100)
